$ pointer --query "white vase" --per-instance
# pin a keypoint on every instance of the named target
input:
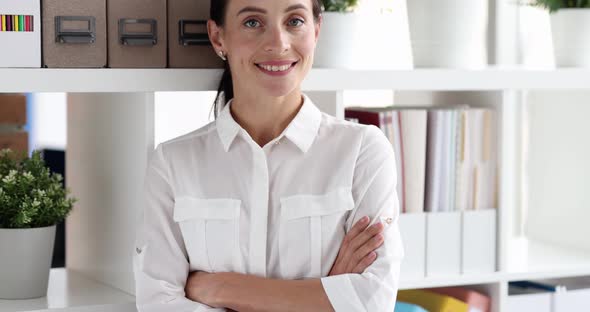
(25, 262)
(449, 33)
(571, 37)
(365, 40)
(335, 47)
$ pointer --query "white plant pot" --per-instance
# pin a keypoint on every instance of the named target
(25, 262)
(449, 33)
(335, 44)
(571, 37)
(365, 41)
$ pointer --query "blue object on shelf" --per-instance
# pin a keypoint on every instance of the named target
(536, 285)
(408, 307)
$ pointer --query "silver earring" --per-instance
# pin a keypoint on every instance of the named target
(222, 55)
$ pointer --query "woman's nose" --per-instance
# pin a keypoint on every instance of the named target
(277, 40)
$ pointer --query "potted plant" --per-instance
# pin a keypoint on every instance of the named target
(374, 35)
(570, 27)
(449, 33)
(32, 201)
(339, 23)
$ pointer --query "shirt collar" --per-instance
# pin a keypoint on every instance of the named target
(301, 131)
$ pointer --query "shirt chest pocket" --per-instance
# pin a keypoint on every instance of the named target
(311, 231)
(210, 229)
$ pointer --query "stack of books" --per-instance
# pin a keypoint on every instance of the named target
(446, 156)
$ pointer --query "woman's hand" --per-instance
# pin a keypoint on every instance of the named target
(357, 250)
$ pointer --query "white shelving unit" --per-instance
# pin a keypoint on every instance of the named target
(151, 80)
(67, 290)
(110, 136)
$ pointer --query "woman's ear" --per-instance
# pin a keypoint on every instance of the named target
(318, 27)
(215, 36)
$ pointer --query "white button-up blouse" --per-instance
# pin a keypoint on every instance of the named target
(216, 201)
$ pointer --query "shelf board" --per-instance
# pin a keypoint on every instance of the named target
(528, 260)
(71, 291)
(459, 280)
(531, 259)
(150, 80)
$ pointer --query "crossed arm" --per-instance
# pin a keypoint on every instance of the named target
(243, 292)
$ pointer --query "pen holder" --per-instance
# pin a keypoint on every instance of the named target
(20, 33)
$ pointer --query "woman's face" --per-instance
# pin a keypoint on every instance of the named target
(269, 43)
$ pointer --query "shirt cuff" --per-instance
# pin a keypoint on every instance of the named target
(341, 293)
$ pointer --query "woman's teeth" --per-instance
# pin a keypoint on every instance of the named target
(275, 68)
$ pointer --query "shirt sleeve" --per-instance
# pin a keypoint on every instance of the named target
(375, 195)
(160, 262)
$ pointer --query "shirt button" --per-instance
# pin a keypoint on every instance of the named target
(138, 250)
(387, 220)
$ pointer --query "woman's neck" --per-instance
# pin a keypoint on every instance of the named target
(265, 118)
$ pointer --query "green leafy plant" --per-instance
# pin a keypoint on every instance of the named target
(30, 195)
(339, 5)
(554, 5)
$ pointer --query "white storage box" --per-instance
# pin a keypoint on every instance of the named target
(528, 299)
(443, 244)
(573, 294)
(20, 41)
(413, 231)
(478, 254)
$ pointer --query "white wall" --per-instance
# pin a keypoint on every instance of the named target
(48, 119)
(177, 113)
(559, 168)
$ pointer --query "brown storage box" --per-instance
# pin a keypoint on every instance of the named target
(137, 36)
(74, 33)
(13, 109)
(188, 42)
(16, 141)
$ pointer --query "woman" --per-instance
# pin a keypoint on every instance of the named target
(274, 206)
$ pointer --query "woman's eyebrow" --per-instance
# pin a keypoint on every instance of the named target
(251, 9)
(263, 11)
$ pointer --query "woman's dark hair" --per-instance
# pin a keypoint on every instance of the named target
(226, 87)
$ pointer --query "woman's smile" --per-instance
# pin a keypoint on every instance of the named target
(276, 68)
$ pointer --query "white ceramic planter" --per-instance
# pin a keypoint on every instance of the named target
(365, 41)
(25, 262)
(571, 37)
(335, 45)
(449, 33)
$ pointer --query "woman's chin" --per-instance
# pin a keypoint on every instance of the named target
(277, 90)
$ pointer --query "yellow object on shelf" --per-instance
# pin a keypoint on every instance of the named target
(431, 301)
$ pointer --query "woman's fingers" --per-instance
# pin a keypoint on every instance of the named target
(366, 235)
(358, 228)
(365, 263)
(357, 250)
(366, 249)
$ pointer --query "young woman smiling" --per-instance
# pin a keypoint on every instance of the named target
(274, 206)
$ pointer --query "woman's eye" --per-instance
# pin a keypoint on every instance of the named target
(251, 23)
(296, 22)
